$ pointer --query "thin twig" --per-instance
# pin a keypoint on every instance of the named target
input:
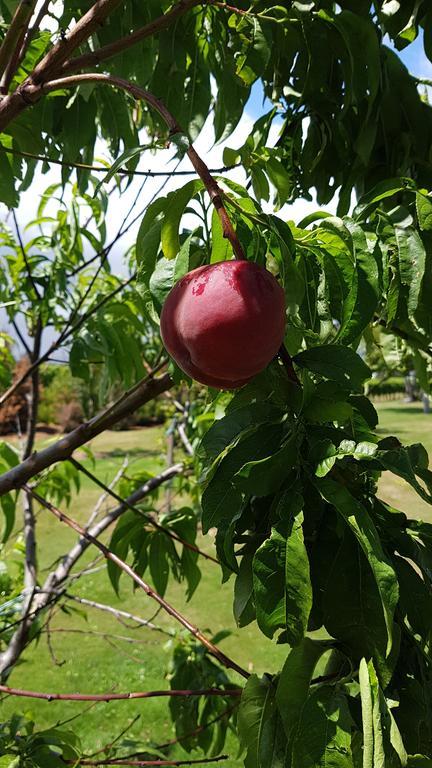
(24, 255)
(63, 336)
(141, 94)
(103, 497)
(150, 592)
(119, 614)
(142, 763)
(81, 468)
(171, 693)
(104, 169)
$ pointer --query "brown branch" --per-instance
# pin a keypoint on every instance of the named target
(81, 468)
(288, 364)
(11, 45)
(147, 389)
(150, 592)
(35, 26)
(83, 29)
(214, 192)
(107, 51)
(117, 696)
(202, 761)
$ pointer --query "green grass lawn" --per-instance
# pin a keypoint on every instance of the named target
(79, 661)
(408, 422)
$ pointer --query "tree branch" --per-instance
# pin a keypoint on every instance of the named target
(81, 468)
(202, 761)
(107, 51)
(49, 594)
(104, 169)
(82, 30)
(150, 592)
(146, 390)
(117, 613)
(214, 192)
(118, 696)
(11, 45)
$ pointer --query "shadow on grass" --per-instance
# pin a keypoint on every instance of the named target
(413, 410)
(119, 453)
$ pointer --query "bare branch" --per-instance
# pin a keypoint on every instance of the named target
(119, 614)
(104, 169)
(103, 497)
(118, 696)
(150, 592)
(202, 761)
(107, 51)
(147, 389)
(49, 592)
(80, 467)
(185, 440)
(35, 26)
(82, 30)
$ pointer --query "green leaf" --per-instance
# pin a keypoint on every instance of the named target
(243, 608)
(8, 194)
(352, 608)
(282, 586)
(8, 505)
(383, 190)
(335, 362)
(361, 303)
(176, 203)
(147, 248)
(225, 430)
(403, 461)
(412, 260)
(424, 211)
(294, 681)
(9, 761)
(158, 561)
(367, 715)
(220, 247)
(259, 725)
(323, 738)
(265, 476)
(119, 163)
(356, 516)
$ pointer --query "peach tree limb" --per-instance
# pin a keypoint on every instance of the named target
(223, 659)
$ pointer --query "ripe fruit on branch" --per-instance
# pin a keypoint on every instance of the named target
(223, 323)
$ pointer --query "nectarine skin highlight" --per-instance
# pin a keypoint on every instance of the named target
(224, 322)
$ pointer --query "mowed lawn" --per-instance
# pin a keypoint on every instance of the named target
(80, 660)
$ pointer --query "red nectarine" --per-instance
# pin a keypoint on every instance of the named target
(224, 322)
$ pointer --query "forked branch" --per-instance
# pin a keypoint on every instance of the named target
(150, 592)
